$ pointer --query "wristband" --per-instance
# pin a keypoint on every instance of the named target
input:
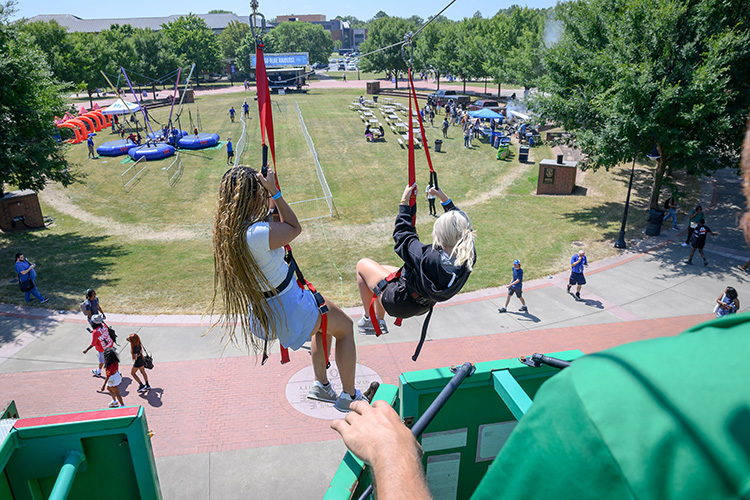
(444, 203)
(277, 195)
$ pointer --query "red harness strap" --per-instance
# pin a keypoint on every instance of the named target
(375, 293)
(266, 130)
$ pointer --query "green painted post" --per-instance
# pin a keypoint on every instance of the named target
(514, 397)
(67, 475)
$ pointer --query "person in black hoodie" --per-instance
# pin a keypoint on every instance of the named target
(430, 274)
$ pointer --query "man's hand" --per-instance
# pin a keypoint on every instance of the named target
(376, 433)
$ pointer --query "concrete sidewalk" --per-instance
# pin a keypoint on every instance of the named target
(227, 427)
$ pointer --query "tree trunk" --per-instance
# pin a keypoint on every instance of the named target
(661, 167)
(499, 89)
(91, 101)
(464, 91)
(437, 78)
(395, 77)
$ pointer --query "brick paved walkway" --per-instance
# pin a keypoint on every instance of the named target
(235, 403)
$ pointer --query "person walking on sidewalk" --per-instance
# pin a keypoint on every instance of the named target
(100, 341)
(139, 363)
(696, 216)
(671, 206)
(91, 306)
(577, 262)
(257, 288)
(26, 274)
(727, 303)
(698, 240)
(113, 377)
(515, 287)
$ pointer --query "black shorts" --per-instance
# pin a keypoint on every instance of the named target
(230, 154)
(577, 279)
(138, 362)
(699, 244)
(516, 291)
(399, 303)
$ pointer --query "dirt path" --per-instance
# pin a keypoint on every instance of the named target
(55, 197)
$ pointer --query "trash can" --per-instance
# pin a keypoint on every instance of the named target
(375, 98)
(523, 154)
(438, 145)
(655, 219)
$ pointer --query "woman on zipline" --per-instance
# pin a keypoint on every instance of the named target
(431, 273)
(250, 270)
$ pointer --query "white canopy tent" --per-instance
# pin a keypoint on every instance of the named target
(118, 108)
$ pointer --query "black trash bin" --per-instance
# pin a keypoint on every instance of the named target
(523, 154)
(374, 98)
(438, 145)
(655, 219)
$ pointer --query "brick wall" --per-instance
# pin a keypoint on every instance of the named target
(556, 178)
(17, 205)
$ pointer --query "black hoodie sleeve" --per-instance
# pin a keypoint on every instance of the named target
(407, 244)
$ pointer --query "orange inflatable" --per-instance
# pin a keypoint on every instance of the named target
(75, 128)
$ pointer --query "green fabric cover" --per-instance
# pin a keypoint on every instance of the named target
(667, 418)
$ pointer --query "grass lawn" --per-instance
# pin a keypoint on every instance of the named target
(148, 249)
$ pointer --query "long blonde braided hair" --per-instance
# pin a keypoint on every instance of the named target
(242, 202)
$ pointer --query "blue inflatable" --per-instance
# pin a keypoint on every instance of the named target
(115, 148)
(198, 142)
(151, 152)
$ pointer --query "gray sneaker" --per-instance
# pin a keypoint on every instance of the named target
(320, 392)
(523, 309)
(502, 310)
(344, 401)
(364, 325)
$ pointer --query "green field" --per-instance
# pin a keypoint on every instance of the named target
(147, 249)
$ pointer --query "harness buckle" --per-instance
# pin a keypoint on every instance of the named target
(322, 307)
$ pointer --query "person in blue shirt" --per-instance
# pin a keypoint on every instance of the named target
(25, 271)
(230, 151)
(246, 109)
(576, 272)
(515, 287)
(90, 143)
(231, 114)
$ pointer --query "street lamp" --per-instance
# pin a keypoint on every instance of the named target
(620, 243)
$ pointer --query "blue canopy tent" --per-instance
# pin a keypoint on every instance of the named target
(487, 114)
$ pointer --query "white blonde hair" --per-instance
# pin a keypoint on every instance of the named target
(453, 230)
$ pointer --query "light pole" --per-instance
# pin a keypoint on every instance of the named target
(620, 243)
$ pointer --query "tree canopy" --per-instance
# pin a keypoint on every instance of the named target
(231, 38)
(628, 74)
(30, 156)
(195, 41)
(383, 32)
(300, 37)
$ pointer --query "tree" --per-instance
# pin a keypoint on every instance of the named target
(31, 98)
(194, 42)
(382, 33)
(244, 52)
(426, 51)
(156, 56)
(231, 38)
(379, 15)
(300, 37)
(628, 74)
(54, 41)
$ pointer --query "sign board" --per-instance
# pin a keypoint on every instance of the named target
(282, 60)
(231, 67)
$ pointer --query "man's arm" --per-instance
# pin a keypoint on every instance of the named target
(377, 436)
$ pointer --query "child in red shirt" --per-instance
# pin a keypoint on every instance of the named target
(100, 341)
(112, 382)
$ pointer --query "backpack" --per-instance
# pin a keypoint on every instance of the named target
(112, 333)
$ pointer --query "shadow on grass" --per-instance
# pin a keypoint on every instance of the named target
(67, 264)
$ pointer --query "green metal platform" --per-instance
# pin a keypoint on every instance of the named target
(468, 432)
(77, 456)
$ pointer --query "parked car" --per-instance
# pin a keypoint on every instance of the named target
(342, 66)
(485, 104)
(351, 67)
(450, 95)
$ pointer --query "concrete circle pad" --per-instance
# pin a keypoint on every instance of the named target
(300, 383)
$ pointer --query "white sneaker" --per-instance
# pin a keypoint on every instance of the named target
(344, 401)
(320, 392)
(114, 404)
(364, 325)
(96, 373)
(684, 245)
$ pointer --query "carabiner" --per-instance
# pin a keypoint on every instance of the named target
(254, 18)
(408, 41)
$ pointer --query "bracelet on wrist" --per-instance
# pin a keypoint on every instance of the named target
(277, 195)
(445, 202)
